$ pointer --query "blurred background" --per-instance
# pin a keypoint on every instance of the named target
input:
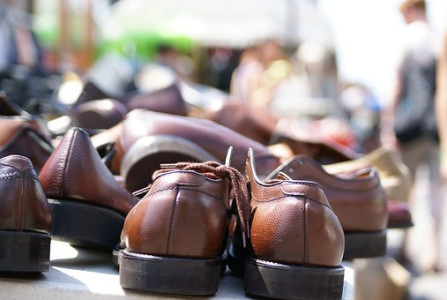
(343, 53)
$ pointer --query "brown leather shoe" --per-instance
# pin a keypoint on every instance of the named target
(88, 205)
(91, 91)
(262, 125)
(394, 174)
(296, 241)
(175, 237)
(394, 178)
(358, 200)
(25, 136)
(168, 100)
(304, 139)
(253, 121)
(170, 139)
(25, 220)
(99, 114)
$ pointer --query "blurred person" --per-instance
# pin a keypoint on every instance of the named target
(408, 123)
(243, 77)
(168, 56)
(275, 68)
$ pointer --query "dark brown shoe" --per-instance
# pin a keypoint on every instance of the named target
(168, 100)
(146, 139)
(358, 200)
(296, 241)
(263, 125)
(87, 203)
(253, 121)
(175, 237)
(25, 136)
(25, 220)
(99, 114)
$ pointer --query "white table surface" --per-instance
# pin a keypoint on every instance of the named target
(78, 273)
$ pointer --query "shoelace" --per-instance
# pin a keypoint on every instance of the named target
(214, 170)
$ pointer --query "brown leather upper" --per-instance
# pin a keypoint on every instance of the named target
(24, 206)
(358, 200)
(253, 121)
(184, 214)
(167, 100)
(27, 137)
(99, 114)
(212, 137)
(75, 172)
(292, 222)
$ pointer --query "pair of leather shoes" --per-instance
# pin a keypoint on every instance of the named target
(176, 237)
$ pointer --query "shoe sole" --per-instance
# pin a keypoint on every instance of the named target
(364, 244)
(182, 276)
(274, 280)
(145, 156)
(85, 225)
(400, 225)
(357, 245)
(24, 251)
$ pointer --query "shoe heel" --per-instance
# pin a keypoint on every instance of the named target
(364, 244)
(85, 225)
(158, 274)
(274, 280)
(24, 251)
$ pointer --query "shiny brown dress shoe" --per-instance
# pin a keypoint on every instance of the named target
(175, 237)
(25, 220)
(296, 241)
(87, 203)
(146, 139)
(358, 200)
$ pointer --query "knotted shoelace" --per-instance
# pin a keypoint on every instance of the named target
(215, 170)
